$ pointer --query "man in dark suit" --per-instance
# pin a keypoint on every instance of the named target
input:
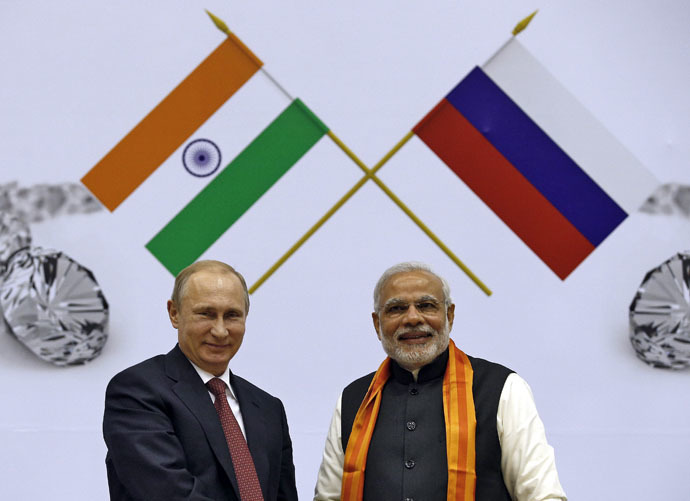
(177, 426)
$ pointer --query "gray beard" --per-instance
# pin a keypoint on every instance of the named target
(414, 357)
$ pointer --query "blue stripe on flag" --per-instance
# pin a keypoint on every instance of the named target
(532, 152)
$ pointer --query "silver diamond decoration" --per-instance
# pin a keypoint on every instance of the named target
(669, 199)
(14, 235)
(54, 306)
(660, 315)
(44, 201)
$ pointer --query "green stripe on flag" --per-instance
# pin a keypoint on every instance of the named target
(235, 189)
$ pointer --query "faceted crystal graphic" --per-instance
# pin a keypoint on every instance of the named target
(660, 315)
(669, 199)
(44, 201)
(14, 235)
(54, 306)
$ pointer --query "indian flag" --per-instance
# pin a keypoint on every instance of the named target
(171, 122)
(241, 183)
(196, 163)
(532, 153)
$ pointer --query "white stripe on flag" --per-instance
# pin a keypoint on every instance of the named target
(530, 85)
(236, 124)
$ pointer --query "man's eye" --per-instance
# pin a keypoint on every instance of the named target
(426, 306)
(397, 308)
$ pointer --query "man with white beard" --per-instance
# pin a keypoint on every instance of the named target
(433, 423)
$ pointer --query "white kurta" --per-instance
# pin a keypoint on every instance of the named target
(527, 460)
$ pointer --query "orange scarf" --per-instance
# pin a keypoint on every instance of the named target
(461, 424)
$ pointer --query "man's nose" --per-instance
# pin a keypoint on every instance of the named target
(412, 316)
(218, 329)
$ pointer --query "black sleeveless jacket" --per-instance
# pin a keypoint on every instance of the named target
(407, 454)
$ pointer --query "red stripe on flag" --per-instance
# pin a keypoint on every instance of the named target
(504, 189)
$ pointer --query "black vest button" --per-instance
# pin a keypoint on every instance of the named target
(409, 499)
(411, 425)
(409, 464)
(414, 391)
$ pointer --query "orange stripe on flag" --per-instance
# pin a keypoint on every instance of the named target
(170, 123)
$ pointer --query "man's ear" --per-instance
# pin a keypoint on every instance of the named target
(375, 318)
(173, 313)
(450, 315)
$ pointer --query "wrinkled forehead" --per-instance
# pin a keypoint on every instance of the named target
(208, 281)
(412, 286)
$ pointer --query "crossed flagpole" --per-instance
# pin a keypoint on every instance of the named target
(296, 126)
(561, 222)
(369, 174)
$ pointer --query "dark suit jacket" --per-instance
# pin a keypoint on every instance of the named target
(165, 440)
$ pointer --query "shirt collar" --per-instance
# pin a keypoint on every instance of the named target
(433, 370)
(207, 376)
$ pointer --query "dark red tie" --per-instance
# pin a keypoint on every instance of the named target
(248, 482)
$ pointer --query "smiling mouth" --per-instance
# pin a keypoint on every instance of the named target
(217, 346)
(415, 336)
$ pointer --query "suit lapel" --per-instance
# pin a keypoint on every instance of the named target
(255, 429)
(191, 391)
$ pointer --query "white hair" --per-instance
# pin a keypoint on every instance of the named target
(407, 267)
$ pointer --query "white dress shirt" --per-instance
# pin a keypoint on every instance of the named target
(527, 460)
(229, 393)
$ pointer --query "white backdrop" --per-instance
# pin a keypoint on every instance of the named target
(77, 76)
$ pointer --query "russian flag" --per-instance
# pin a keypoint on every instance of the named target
(536, 157)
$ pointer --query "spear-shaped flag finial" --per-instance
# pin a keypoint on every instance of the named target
(519, 26)
(218, 22)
